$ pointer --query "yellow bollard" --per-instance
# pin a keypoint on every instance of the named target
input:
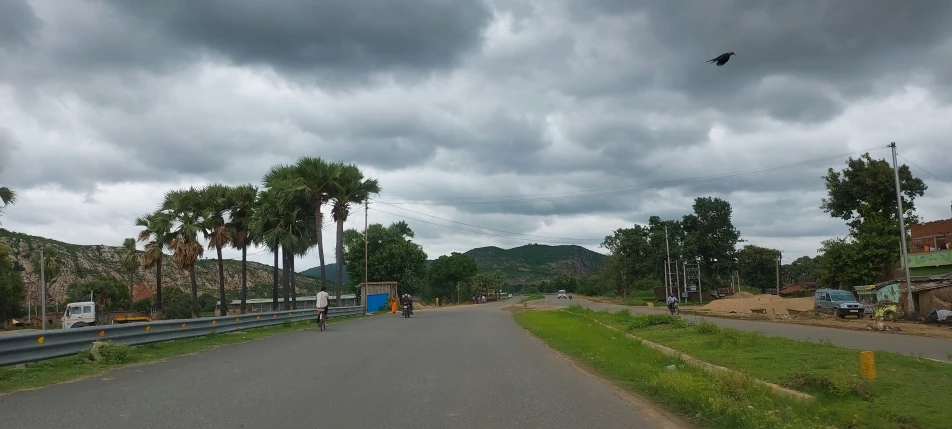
(867, 365)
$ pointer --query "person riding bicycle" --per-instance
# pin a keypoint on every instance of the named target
(408, 301)
(672, 301)
(322, 302)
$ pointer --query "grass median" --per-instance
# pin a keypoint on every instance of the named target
(909, 392)
(533, 297)
(71, 368)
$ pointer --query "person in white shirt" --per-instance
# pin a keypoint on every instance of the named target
(323, 301)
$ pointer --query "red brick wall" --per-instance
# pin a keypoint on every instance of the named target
(932, 228)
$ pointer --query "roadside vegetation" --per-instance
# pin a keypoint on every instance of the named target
(909, 392)
(533, 297)
(115, 356)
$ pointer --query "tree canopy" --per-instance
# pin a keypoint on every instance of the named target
(12, 291)
(446, 273)
(393, 257)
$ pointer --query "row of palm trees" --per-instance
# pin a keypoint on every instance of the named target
(285, 216)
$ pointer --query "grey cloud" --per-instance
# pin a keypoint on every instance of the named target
(318, 39)
(18, 25)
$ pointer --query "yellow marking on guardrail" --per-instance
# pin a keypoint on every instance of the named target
(289, 314)
(257, 317)
(236, 319)
(40, 340)
(213, 322)
(183, 325)
(274, 315)
(102, 333)
(148, 328)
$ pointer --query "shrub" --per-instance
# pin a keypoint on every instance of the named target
(642, 321)
(706, 328)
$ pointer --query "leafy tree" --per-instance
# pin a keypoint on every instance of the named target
(157, 233)
(446, 274)
(314, 177)
(803, 269)
(12, 290)
(710, 236)
(630, 257)
(393, 257)
(659, 246)
(188, 212)
(349, 187)
(52, 263)
(129, 263)
(758, 266)
(241, 213)
(109, 293)
(178, 304)
(216, 202)
(287, 214)
(267, 230)
(864, 195)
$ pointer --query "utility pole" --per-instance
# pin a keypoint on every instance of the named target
(366, 253)
(667, 263)
(778, 272)
(43, 283)
(910, 306)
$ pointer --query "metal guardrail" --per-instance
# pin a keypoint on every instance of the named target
(33, 346)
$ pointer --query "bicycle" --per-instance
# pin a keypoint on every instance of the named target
(321, 318)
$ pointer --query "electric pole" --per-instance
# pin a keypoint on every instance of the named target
(667, 261)
(778, 272)
(366, 253)
(43, 285)
(910, 306)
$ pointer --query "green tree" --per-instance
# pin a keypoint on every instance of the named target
(446, 274)
(129, 264)
(710, 236)
(758, 266)
(109, 293)
(630, 259)
(803, 269)
(393, 257)
(157, 234)
(266, 230)
(314, 177)
(52, 268)
(349, 187)
(241, 213)
(662, 235)
(290, 219)
(864, 195)
(12, 290)
(216, 202)
(178, 304)
(7, 197)
(188, 212)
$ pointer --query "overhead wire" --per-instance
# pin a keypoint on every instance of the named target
(926, 171)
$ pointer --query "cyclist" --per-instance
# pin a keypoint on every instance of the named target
(322, 303)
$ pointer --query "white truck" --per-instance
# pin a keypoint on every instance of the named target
(79, 314)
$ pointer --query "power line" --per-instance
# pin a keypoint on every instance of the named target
(477, 231)
(923, 169)
(491, 229)
(592, 193)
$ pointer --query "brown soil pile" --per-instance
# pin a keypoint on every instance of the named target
(765, 304)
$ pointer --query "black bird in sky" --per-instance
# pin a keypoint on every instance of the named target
(722, 59)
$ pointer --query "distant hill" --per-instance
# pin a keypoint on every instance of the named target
(86, 262)
(529, 264)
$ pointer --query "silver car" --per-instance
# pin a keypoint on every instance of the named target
(841, 302)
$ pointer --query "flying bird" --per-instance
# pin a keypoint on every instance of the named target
(722, 59)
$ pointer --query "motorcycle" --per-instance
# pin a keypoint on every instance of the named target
(406, 311)
(674, 309)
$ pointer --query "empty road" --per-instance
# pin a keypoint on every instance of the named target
(933, 348)
(469, 367)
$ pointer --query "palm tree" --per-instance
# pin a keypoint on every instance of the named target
(217, 202)
(157, 233)
(350, 187)
(129, 263)
(242, 211)
(189, 215)
(7, 197)
(315, 179)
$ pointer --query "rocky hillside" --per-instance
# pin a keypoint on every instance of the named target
(81, 263)
(534, 263)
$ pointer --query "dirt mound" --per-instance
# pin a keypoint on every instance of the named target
(765, 304)
(741, 295)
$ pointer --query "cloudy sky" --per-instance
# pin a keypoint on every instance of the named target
(487, 122)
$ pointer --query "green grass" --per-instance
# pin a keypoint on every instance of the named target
(533, 297)
(75, 367)
(909, 392)
(719, 401)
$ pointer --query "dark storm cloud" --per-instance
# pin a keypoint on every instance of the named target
(18, 25)
(339, 40)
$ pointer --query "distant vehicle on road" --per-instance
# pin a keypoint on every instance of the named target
(840, 302)
(79, 314)
(562, 294)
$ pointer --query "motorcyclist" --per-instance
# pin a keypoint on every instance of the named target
(408, 301)
(672, 301)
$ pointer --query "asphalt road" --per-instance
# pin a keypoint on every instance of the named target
(934, 348)
(470, 367)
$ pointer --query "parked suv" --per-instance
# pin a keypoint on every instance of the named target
(842, 303)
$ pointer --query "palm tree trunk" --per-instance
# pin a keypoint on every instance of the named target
(340, 260)
(274, 291)
(191, 275)
(132, 290)
(244, 276)
(158, 284)
(320, 245)
(284, 282)
(221, 284)
(293, 283)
